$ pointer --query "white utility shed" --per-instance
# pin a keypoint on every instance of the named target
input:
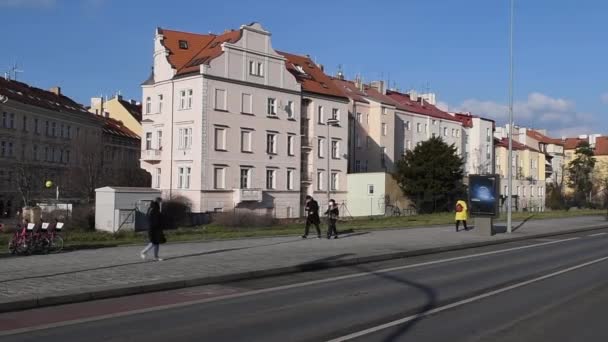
(115, 207)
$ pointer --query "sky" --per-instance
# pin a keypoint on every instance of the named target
(457, 49)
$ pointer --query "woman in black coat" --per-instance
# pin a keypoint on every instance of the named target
(155, 230)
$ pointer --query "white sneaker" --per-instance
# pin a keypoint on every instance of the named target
(142, 256)
(158, 259)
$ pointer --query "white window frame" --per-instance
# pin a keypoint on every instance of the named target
(148, 105)
(189, 94)
(246, 103)
(271, 109)
(219, 177)
(320, 179)
(384, 111)
(335, 149)
(320, 115)
(271, 183)
(182, 99)
(291, 141)
(359, 117)
(445, 131)
(419, 127)
(148, 141)
(157, 177)
(335, 181)
(159, 139)
(291, 110)
(220, 139)
(290, 173)
(384, 129)
(321, 147)
(246, 140)
(335, 114)
(221, 96)
(160, 102)
(248, 173)
(271, 143)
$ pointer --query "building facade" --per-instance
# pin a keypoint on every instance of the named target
(234, 124)
(127, 112)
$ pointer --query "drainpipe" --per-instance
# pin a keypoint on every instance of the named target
(354, 140)
(171, 144)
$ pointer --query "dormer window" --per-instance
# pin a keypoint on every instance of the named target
(256, 68)
(183, 44)
(300, 69)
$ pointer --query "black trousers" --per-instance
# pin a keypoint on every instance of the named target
(332, 231)
(464, 223)
(311, 221)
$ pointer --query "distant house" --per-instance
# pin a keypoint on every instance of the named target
(128, 112)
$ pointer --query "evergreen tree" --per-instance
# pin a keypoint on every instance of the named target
(579, 173)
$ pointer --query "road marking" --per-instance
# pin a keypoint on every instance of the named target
(462, 302)
(598, 234)
(268, 290)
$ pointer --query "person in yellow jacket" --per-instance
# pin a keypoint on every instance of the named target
(462, 213)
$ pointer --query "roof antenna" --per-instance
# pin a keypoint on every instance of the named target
(13, 71)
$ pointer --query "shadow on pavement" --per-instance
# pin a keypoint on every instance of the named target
(502, 229)
(429, 293)
(322, 263)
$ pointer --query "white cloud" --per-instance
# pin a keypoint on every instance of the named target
(28, 3)
(558, 116)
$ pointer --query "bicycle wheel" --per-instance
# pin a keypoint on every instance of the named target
(12, 246)
(56, 244)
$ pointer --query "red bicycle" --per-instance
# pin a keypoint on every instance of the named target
(20, 241)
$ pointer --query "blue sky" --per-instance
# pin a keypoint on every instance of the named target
(459, 48)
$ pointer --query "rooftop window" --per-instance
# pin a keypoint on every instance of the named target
(183, 44)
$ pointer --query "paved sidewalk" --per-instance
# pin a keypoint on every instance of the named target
(80, 275)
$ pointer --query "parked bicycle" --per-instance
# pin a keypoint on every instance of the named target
(28, 240)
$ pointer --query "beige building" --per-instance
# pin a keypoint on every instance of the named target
(45, 135)
(235, 124)
(127, 112)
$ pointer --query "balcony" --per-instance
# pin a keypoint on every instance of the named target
(247, 195)
(151, 156)
(307, 144)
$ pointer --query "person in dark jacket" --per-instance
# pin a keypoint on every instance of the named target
(155, 230)
(312, 216)
(332, 215)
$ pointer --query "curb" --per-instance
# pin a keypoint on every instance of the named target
(25, 303)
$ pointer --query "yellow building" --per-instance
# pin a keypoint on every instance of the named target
(600, 152)
(528, 175)
(128, 112)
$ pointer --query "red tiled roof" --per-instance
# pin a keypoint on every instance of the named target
(517, 146)
(117, 128)
(601, 146)
(350, 90)
(26, 94)
(572, 143)
(133, 109)
(419, 108)
(538, 136)
(466, 119)
(313, 80)
(379, 97)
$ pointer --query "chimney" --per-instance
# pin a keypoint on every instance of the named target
(413, 95)
(320, 66)
(379, 86)
(340, 76)
(133, 102)
(56, 90)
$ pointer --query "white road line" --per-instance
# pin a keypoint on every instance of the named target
(598, 234)
(462, 302)
(269, 290)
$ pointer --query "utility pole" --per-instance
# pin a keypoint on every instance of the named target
(510, 171)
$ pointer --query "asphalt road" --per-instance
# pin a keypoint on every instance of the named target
(539, 290)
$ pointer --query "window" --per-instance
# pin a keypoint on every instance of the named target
(25, 123)
(54, 129)
(35, 153)
(62, 130)
(4, 120)
(46, 154)
(12, 121)
(160, 103)
(290, 145)
(148, 105)
(183, 44)
(384, 129)
(320, 147)
(220, 139)
(319, 180)
(357, 166)
(220, 99)
(335, 149)
(334, 181)
(434, 122)
(384, 110)
(256, 68)
(426, 128)
(367, 119)
(271, 143)
(183, 180)
(488, 134)
(525, 191)
(159, 140)
(218, 177)
(408, 144)
(291, 113)
(246, 141)
(531, 191)
(69, 132)
(245, 178)
(368, 141)
(36, 126)
(419, 128)
(358, 141)
(408, 126)
(359, 118)
(260, 69)
(457, 133)
(540, 191)
(148, 140)
(445, 131)
(320, 116)
(488, 151)
(67, 156)
(189, 98)
(370, 189)
(290, 179)
(3, 149)
(335, 114)
(272, 106)
(382, 155)
(157, 177)
(182, 99)
(246, 104)
(271, 179)
(185, 138)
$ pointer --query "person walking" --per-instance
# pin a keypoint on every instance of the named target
(332, 215)
(461, 214)
(312, 216)
(155, 230)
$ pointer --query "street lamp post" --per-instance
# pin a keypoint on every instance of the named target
(330, 122)
(510, 171)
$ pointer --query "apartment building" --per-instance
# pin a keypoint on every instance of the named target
(553, 150)
(45, 135)
(528, 170)
(233, 123)
(117, 108)
(477, 143)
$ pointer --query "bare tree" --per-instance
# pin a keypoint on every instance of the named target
(28, 180)
(89, 171)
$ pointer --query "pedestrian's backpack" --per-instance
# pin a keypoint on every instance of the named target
(459, 208)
